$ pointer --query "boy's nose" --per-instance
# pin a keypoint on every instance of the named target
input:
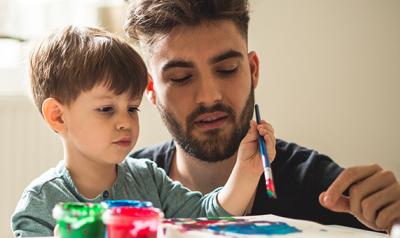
(122, 126)
(124, 122)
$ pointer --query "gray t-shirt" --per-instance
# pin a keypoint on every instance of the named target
(137, 179)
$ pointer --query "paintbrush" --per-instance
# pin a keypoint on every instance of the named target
(265, 158)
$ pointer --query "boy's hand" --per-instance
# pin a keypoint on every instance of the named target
(374, 196)
(247, 170)
(249, 153)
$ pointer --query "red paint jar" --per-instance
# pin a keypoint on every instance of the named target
(132, 222)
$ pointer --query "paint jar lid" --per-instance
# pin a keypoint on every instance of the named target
(126, 203)
(127, 215)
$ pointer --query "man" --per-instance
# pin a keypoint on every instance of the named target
(202, 81)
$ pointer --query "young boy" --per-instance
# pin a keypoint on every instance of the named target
(88, 85)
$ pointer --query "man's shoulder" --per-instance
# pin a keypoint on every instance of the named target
(300, 164)
(292, 154)
(161, 154)
(289, 148)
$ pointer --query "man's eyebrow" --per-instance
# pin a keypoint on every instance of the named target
(177, 64)
(226, 55)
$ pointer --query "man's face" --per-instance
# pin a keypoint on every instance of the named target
(203, 87)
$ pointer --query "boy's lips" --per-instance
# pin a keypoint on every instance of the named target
(213, 120)
(124, 142)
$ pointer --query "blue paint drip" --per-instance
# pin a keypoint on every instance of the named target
(253, 228)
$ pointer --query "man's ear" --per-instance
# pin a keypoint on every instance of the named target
(150, 93)
(254, 67)
(52, 112)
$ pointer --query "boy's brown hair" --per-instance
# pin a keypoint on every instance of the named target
(150, 19)
(75, 59)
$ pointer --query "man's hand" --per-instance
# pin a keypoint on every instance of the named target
(374, 196)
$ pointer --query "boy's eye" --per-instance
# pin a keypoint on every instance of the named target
(133, 109)
(105, 109)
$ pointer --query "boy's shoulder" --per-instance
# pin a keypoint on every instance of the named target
(142, 165)
(52, 178)
(141, 169)
(34, 208)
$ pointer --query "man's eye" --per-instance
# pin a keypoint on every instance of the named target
(181, 79)
(105, 109)
(133, 109)
(228, 70)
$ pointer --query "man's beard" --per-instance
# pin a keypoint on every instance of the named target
(216, 147)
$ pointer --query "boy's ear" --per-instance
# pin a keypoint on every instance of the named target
(150, 93)
(52, 112)
(254, 67)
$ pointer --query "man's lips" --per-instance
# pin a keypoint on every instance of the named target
(209, 121)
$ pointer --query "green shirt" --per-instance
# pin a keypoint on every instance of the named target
(136, 180)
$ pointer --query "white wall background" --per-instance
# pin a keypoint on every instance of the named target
(330, 75)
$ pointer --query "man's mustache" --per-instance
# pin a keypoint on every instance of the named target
(219, 107)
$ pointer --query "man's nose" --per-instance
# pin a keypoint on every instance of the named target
(209, 91)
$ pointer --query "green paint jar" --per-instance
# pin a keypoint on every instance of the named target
(79, 220)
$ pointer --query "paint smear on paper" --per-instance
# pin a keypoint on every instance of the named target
(226, 226)
(255, 228)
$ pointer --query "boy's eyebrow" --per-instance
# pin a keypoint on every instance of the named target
(134, 99)
(226, 55)
(103, 97)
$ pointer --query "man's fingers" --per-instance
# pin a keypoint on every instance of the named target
(388, 216)
(348, 177)
(388, 193)
(383, 208)
(373, 196)
(342, 204)
(367, 191)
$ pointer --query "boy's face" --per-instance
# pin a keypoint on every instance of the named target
(101, 126)
(203, 87)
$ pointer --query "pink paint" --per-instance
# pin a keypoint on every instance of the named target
(188, 224)
(132, 222)
(270, 188)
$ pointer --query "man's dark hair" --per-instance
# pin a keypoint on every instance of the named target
(150, 19)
